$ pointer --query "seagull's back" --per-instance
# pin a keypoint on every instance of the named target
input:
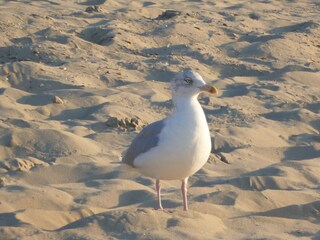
(148, 138)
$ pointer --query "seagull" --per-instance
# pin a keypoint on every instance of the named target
(178, 146)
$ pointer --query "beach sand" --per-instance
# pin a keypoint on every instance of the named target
(79, 79)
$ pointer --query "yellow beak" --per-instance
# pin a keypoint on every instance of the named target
(208, 88)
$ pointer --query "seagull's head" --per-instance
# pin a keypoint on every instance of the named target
(190, 83)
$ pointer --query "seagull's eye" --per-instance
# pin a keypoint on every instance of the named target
(189, 81)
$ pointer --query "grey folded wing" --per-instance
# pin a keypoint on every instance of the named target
(148, 138)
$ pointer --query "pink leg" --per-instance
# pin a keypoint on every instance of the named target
(184, 193)
(158, 187)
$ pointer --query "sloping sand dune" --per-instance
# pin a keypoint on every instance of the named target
(79, 79)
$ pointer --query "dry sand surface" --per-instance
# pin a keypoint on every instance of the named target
(79, 78)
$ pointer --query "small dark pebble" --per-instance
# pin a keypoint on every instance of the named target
(112, 122)
(222, 158)
(94, 8)
(168, 14)
(254, 16)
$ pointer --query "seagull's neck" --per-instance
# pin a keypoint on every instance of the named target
(186, 104)
(189, 113)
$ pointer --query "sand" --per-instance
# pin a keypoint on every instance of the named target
(79, 79)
